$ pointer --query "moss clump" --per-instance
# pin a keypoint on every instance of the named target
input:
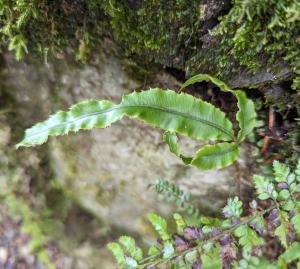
(257, 33)
(164, 30)
(51, 26)
(167, 32)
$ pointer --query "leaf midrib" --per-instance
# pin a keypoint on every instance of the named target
(166, 110)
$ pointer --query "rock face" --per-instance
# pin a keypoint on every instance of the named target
(108, 171)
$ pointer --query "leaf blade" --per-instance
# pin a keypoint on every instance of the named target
(118, 253)
(246, 116)
(160, 225)
(130, 246)
(204, 77)
(167, 110)
(179, 113)
(84, 115)
(216, 156)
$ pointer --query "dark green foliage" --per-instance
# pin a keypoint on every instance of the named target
(268, 27)
(51, 26)
(170, 32)
(149, 28)
(152, 28)
(238, 241)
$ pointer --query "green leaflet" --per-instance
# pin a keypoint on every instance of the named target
(129, 244)
(213, 259)
(246, 115)
(248, 238)
(167, 110)
(160, 225)
(281, 171)
(292, 253)
(85, 115)
(216, 156)
(296, 223)
(282, 230)
(180, 222)
(118, 253)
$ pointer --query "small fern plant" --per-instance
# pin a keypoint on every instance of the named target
(239, 240)
(175, 194)
(172, 112)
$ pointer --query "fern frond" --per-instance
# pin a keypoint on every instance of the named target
(167, 110)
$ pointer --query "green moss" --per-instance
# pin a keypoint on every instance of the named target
(173, 33)
(259, 33)
(51, 26)
(147, 28)
(155, 27)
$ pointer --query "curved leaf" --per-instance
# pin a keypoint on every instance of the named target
(246, 115)
(85, 115)
(204, 77)
(211, 156)
(216, 156)
(167, 110)
(179, 113)
(118, 252)
(160, 226)
(172, 141)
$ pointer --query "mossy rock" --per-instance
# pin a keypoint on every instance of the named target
(173, 33)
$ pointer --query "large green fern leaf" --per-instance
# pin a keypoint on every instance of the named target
(179, 113)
